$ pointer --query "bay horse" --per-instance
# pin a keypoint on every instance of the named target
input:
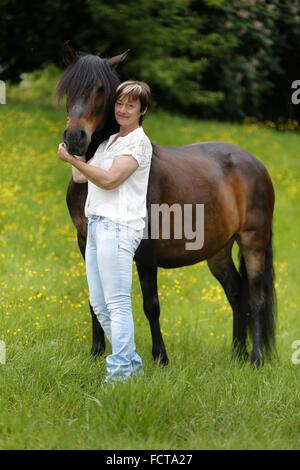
(236, 191)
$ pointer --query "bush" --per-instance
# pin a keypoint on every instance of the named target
(36, 87)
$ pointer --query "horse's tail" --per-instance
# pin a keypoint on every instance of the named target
(269, 308)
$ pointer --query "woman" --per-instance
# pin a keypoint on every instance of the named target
(115, 208)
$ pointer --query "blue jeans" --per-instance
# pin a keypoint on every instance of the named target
(109, 253)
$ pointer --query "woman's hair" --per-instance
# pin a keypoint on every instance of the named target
(137, 91)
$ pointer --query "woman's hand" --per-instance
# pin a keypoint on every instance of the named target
(63, 153)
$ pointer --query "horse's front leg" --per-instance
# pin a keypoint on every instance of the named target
(98, 339)
(148, 280)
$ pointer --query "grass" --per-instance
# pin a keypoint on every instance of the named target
(50, 393)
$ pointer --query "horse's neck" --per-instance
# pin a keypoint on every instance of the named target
(94, 144)
(99, 136)
(111, 128)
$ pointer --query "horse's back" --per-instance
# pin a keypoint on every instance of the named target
(224, 154)
(212, 163)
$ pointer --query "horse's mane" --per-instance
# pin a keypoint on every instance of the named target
(83, 74)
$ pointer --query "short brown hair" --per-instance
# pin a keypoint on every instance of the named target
(137, 91)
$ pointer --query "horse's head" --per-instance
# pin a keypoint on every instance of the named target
(89, 84)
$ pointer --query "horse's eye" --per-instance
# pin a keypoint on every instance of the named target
(97, 110)
(100, 89)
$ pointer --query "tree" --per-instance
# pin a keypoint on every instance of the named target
(167, 48)
(33, 33)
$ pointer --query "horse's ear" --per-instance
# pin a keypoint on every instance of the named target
(117, 59)
(69, 53)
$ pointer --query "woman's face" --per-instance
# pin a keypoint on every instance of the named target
(127, 111)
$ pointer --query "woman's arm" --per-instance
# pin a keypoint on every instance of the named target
(120, 170)
(78, 177)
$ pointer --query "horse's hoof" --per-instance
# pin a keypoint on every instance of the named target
(97, 350)
(162, 358)
(256, 361)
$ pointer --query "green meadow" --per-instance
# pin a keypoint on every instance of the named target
(50, 388)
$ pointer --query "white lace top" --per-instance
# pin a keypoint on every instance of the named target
(125, 204)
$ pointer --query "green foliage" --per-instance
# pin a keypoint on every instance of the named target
(38, 86)
(167, 48)
(209, 58)
(32, 33)
(256, 73)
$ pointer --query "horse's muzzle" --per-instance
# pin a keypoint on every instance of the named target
(76, 141)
